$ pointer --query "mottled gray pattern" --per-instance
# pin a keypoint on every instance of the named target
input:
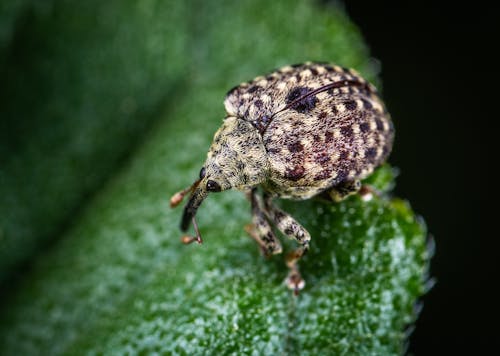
(300, 131)
(339, 134)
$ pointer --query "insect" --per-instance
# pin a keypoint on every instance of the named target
(301, 131)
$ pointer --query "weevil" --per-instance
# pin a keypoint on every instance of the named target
(299, 132)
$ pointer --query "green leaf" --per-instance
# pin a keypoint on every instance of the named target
(119, 280)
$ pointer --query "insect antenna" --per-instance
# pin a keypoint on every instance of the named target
(177, 197)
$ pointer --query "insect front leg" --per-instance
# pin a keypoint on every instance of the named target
(260, 229)
(291, 228)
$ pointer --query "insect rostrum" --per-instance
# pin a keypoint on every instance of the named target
(298, 132)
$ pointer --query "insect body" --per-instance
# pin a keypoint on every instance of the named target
(299, 132)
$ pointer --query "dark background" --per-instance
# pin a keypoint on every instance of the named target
(435, 82)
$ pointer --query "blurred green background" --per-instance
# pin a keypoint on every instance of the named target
(107, 108)
(85, 80)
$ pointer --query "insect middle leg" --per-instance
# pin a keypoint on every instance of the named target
(260, 229)
(291, 228)
(343, 190)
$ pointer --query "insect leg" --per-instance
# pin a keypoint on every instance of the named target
(343, 190)
(260, 229)
(291, 228)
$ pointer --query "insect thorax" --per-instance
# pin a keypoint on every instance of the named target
(237, 157)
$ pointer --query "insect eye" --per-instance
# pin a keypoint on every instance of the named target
(202, 172)
(213, 186)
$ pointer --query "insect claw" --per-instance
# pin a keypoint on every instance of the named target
(186, 239)
(294, 281)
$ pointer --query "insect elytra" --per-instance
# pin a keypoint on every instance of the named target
(301, 131)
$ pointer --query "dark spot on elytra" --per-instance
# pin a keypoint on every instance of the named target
(288, 231)
(295, 147)
(313, 71)
(322, 158)
(270, 77)
(258, 103)
(386, 150)
(253, 89)
(346, 130)
(364, 127)
(296, 65)
(343, 155)
(367, 104)
(329, 69)
(380, 124)
(351, 105)
(347, 70)
(296, 93)
(295, 174)
(334, 109)
(330, 91)
(322, 115)
(300, 101)
(324, 174)
(371, 153)
(316, 138)
(328, 136)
